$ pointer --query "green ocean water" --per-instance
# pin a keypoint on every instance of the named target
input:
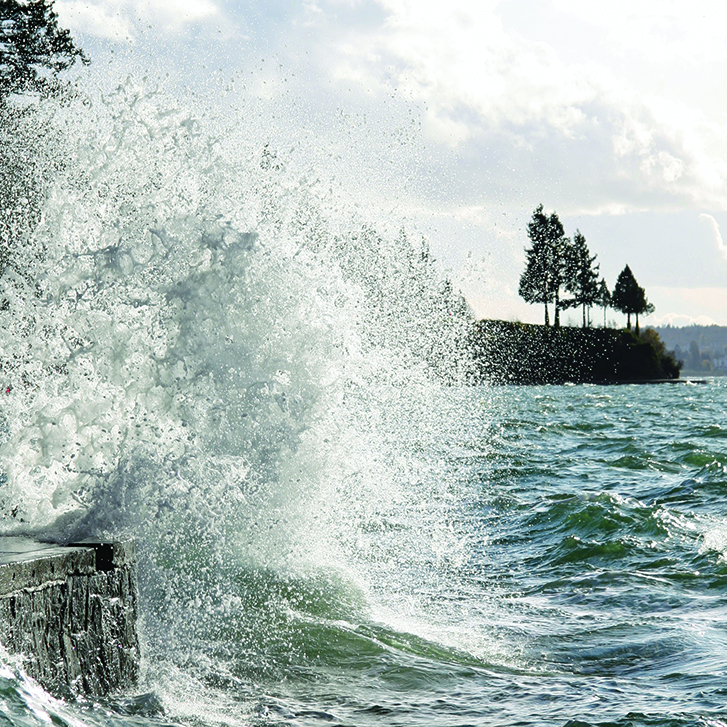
(529, 556)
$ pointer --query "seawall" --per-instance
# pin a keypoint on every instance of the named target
(71, 611)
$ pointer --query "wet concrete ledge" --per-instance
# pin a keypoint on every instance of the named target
(71, 611)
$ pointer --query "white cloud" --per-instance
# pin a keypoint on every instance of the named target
(593, 109)
(717, 235)
(119, 19)
(100, 20)
(663, 165)
(682, 306)
(660, 31)
(600, 107)
(545, 94)
(679, 320)
(458, 59)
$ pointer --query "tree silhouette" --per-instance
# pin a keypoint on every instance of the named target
(545, 271)
(604, 298)
(628, 297)
(642, 306)
(581, 275)
(623, 297)
(33, 49)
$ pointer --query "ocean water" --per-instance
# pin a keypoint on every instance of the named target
(206, 347)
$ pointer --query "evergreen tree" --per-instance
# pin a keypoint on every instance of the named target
(624, 294)
(642, 306)
(628, 297)
(581, 275)
(545, 271)
(33, 49)
(604, 298)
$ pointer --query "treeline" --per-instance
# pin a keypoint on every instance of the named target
(702, 360)
(563, 273)
(558, 266)
(712, 337)
(703, 349)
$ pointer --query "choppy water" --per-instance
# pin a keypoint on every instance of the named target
(206, 348)
(552, 554)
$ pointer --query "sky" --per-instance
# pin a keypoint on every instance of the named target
(459, 118)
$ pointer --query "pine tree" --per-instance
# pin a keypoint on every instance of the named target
(581, 275)
(545, 271)
(604, 298)
(624, 293)
(628, 297)
(642, 306)
(33, 49)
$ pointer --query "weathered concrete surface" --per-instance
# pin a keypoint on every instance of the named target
(71, 612)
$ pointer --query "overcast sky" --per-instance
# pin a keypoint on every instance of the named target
(461, 117)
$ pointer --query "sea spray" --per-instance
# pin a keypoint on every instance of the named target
(186, 341)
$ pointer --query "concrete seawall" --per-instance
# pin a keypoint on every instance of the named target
(71, 612)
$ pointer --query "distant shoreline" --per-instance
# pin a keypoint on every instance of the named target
(654, 381)
(703, 349)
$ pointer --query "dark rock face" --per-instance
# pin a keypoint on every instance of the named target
(71, 612)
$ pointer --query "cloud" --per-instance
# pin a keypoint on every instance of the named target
(589, 107)
(459, 60)
(680, 319)
(598, 108)
(95, 19)
(121, 19)
(717, 235)
(683, 306)
(528, 92)
(657, 31)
